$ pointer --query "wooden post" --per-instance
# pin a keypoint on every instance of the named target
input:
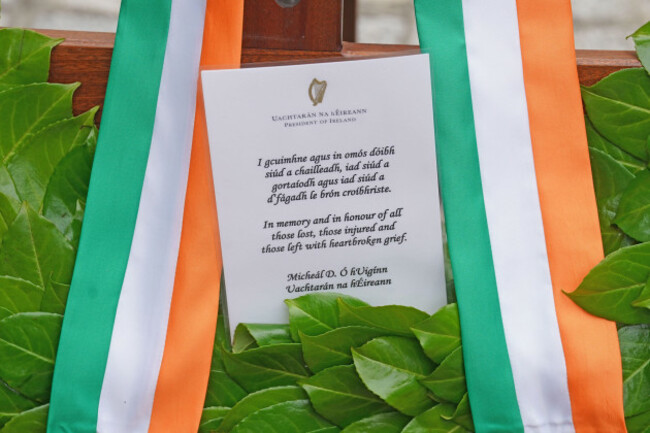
(312, 25)
(350, 20)
(310, 29)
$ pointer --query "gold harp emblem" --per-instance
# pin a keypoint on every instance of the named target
(317, 91)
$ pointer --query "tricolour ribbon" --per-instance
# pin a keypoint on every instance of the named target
(521, 215)
(183, 381)
(148, 267)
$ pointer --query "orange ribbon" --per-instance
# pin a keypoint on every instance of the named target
(185, 368)
(569, 211)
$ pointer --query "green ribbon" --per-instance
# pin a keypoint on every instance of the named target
(487, 365)
(110, 215)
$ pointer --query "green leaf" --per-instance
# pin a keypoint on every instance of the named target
(611, 179)
(610, 288)
(28, 343)
(12, 404)
(36, 135)
(65, 196)
(211, 418)
(55, 297)
(447, 382)
(334, 347)
(449, 273)
(613, 237)
(30, 421)
(267, 366)
(315, 314)
(26, 109)
(439, 335)
(32, 166)
(222, 390)
(642, 41)
(391, 320)
(433, 421)
(9, 201)
(24, 57)
(638, 423)
(600, 143)
(222, 336)
(34, 250)
(251, 335)
(392, 422)
(619, 107)
(243, 339)
(635, 353)
(18, 296)
(7, 213)
(287, 417)
(223, 330)
(338, 395)
(643, 301)
(633, 215)
(4, 313)
(260, 400)
(463, 415)
(390, 367)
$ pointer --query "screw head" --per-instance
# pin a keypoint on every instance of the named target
(287, 3)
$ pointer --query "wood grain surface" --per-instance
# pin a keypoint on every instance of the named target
(86, 56)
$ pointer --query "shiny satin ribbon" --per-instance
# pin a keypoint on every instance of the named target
(521, 215)
(134, 306)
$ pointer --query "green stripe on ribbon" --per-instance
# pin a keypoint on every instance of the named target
(487, 365)
(110, 216)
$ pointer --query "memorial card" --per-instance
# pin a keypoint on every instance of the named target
(325, 180)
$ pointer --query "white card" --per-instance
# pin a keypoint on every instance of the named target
(325, 179)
